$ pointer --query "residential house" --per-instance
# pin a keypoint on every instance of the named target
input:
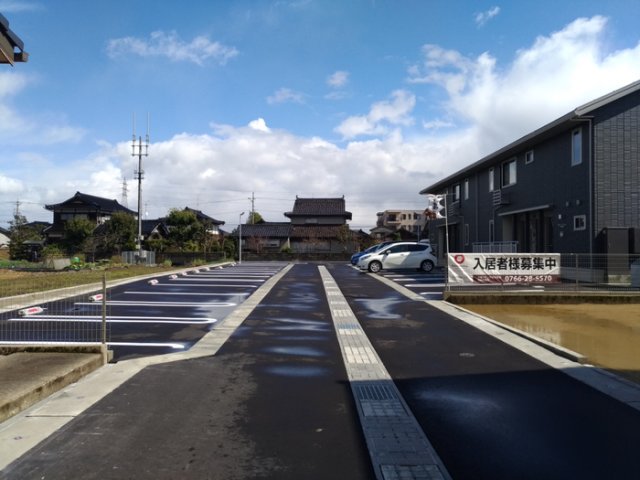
(212, 225)
(319, 225)
(402, 224)
(266, 237)
(4, 237)
(572, 186)
(96, 209)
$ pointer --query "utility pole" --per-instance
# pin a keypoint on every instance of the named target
(137, 151)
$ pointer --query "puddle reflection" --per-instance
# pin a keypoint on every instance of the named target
(297, 370)
(381, 308)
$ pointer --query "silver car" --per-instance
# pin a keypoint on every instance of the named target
(399, 255)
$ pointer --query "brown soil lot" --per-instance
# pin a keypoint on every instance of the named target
(607, 334)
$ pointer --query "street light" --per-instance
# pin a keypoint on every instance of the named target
(240, 238)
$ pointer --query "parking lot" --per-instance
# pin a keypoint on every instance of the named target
(146, 317)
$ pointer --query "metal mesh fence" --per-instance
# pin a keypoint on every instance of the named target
(57, 314)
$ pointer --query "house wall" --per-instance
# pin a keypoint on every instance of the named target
(617, 165)
(318, 220)
(537, 211)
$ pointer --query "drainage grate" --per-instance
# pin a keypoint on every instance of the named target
(375, 391)
(407, 472)
(349, 326)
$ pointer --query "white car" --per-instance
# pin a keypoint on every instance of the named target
(399, 255)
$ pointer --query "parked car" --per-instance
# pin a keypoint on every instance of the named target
(374, 248)
(399, 255)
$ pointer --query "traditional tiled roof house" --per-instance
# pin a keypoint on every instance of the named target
(320, 225)
(81, 205)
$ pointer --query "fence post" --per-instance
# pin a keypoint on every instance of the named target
(104, 309)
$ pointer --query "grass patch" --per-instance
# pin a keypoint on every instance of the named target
(18, 282)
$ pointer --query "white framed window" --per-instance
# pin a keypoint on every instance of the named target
(528, 157)
(491, 179)
(576, 147)
(456, 192)
(580, 222)
(466, 189)
(509, 173)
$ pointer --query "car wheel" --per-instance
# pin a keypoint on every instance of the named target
(375, 267)
(426, 266)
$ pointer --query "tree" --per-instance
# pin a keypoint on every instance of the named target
(77, 232)
(254, 218)
(20, 232)
(120, 232)
(186, 233)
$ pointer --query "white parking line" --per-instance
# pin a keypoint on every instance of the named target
(114, 319)
(219, 275)
(162, 304)
(213, 280)
(210, 294)
(202, 285)
(175, 346)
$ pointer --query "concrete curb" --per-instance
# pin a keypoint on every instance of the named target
(29, 378)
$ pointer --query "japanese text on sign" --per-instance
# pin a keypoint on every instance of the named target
(504, 268)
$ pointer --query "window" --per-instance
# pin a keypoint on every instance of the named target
(528, 157)
(466, 189)
(456, 192)
(397, 249)
(466, 234)
(491, 177)
(580, 222)
(418, 247)
(492, 231)
(576, 147)
(509, 173)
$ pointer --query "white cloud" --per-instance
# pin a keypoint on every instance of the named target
(338, 79)
(285, 95)
(556, 74)
(260, 125)
(10, 185)
(382, 114)
(16, 6)
(483, 17)
(171, 46)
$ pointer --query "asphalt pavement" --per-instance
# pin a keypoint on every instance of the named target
(312, 376)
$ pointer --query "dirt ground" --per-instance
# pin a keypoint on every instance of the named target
(608, 335)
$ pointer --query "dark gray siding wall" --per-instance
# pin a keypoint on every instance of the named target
(617, 164)
(550, 181)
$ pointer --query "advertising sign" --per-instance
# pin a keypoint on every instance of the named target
(513, 268)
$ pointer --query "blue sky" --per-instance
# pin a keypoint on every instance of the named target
(369, 99)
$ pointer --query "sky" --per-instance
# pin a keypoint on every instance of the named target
(252, 103)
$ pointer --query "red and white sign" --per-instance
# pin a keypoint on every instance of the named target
(512, 268)
(30, 311)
